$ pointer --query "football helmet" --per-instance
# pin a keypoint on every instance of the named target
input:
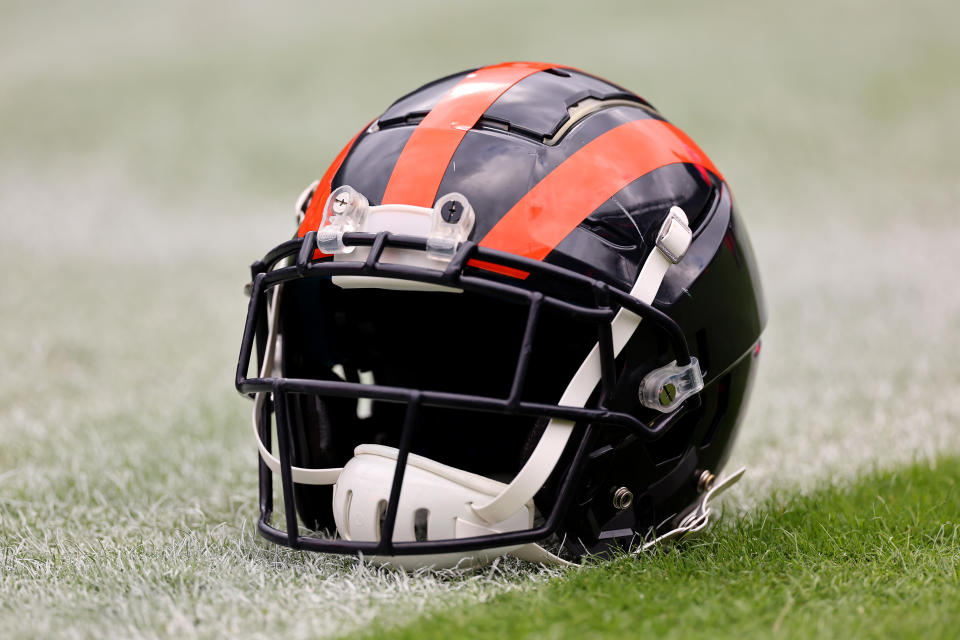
(520, 314)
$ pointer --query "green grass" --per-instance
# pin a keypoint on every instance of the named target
(878, 558)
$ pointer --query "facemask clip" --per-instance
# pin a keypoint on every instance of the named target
(451, 223)
(664, 389)
(345, 212)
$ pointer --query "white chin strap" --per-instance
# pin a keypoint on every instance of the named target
(441, 502)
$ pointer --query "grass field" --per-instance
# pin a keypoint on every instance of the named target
(880, 557)
(148, 154)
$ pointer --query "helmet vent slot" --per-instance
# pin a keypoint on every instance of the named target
(380, 516)
(420, 518)
(589, 106)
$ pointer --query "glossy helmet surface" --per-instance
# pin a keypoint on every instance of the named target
(536, 294)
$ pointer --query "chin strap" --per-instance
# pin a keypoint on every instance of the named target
(300, 475)
(698, 519)
(672, 243)
(530, 552)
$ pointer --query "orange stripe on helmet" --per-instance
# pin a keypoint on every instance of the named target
(426, 155)
(571, 192)
(314, 215)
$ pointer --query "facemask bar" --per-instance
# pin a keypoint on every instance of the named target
(606, 300)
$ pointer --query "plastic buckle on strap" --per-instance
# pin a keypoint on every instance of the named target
(675, 235)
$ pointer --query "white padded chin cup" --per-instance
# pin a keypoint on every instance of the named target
(434, 493)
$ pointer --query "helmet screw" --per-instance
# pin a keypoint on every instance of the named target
(451, 212)
(622, 498)
(668, 393)
(705, 481)
(341, 202)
